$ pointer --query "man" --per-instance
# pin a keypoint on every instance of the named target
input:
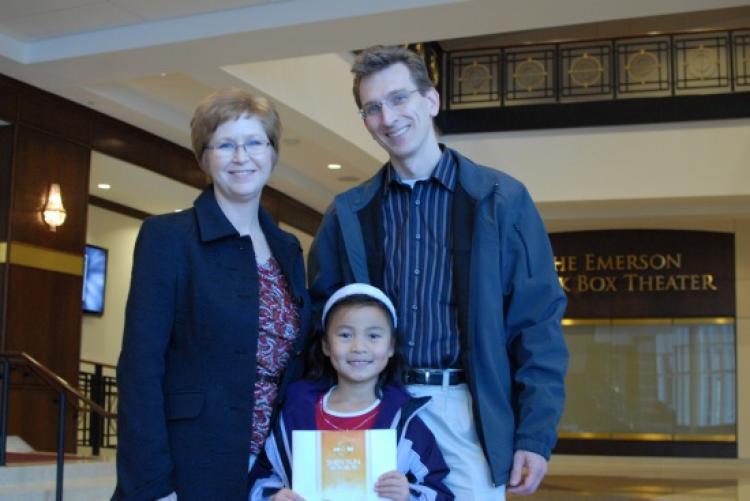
(464, 254)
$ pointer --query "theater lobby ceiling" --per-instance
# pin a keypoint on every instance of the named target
(148, 63)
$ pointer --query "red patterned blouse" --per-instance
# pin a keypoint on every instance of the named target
(278, 325)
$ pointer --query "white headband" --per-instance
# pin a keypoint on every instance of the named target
(359, 289)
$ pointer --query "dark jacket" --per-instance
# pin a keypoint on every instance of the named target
(419, 457)
(507, 294)
(187, 368)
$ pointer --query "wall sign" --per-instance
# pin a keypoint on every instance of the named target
(646, 273)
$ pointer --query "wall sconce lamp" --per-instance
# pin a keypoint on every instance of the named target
(54, 212)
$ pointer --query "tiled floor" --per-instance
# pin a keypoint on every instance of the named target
(644, 479)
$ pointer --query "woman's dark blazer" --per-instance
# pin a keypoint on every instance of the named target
(186, 372)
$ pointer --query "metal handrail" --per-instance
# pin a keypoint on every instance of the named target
(78, 401)
(57, 382)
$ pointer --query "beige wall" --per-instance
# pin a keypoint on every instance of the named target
(743, 336)
(690, 159)
(101, 337)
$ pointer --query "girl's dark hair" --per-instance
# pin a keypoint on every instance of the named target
(319, 365)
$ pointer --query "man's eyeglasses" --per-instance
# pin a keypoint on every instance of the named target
(395, 101)
(253, 147)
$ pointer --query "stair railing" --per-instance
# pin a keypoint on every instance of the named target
(67, 395)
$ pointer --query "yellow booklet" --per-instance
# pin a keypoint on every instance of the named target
(341, 465)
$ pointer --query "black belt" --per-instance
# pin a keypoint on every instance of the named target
(434, 376)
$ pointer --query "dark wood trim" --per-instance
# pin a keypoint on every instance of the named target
(125, 210)
(595, 113)
(8, 99)
(7, 138)
(647, 448)
(286, 209)
(46, 112)
(278, 204)
(3, 304)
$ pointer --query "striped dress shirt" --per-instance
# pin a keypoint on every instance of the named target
(418, 272)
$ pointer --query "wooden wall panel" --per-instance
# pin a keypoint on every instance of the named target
(33, 416)
(181, 164)
(43, 320)
(128, 143)
(8, 99)
(270, 201)
(293, 212)
(3, 304)
(41, 159)
(54, 114)
(6, 164)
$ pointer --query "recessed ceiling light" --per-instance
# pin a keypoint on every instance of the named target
(334, 166)
(162, 74)
(178, 210)
(103, 186)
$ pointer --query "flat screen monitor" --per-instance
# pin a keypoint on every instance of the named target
(94, 279)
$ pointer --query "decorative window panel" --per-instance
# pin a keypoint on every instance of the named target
(643, 68)
(530, 75)
(585, 71)
(701, 63)
(475, 80)
(741, 44)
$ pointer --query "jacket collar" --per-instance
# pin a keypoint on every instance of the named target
(305, 394)
(477, 182)
(444, 172)
(214, 225)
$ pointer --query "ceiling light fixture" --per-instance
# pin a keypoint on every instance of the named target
(54, 213)
(103, 186)
(334, 166)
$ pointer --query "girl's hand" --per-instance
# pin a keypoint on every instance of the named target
(287, 495)
(393, 485)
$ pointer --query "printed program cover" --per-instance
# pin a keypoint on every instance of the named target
(341, 465)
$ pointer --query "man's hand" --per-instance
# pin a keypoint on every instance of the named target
(393, 485)
(287, 495)
(528, 471)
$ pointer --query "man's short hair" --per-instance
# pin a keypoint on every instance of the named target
(379, 57)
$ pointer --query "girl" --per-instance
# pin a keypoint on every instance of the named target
(355, 384)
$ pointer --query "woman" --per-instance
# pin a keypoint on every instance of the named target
(216, 319)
